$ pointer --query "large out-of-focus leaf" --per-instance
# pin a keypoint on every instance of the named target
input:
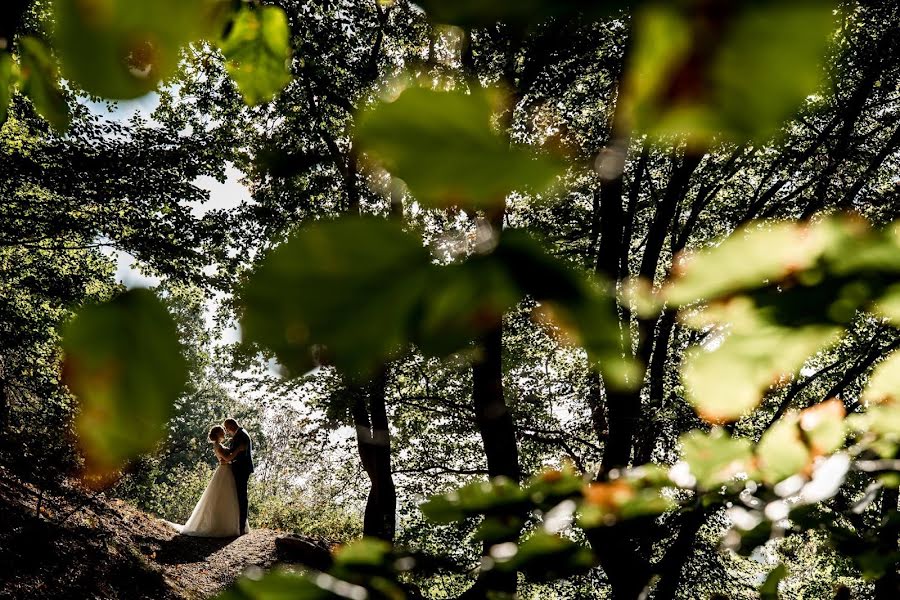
(123, 48)
(716, 458)
(726, 382)
(463, 301)
(781, 451)
(478, 498)
(881, 421)
(348, 285)
(734, 67)
(123, 361)
(884, 383)
(40, 83)
(478, 12)
(745, 260)
(6, 67)
(543, 557)
(571, 305)
(444, 146)
(783, 291)
(257, 50)
(280, 584)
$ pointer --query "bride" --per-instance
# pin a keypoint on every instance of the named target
(217, 513)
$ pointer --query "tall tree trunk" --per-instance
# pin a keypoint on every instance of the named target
(495, 423)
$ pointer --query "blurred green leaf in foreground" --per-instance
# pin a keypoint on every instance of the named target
(123, 362)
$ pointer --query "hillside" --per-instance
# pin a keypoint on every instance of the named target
(86, 545)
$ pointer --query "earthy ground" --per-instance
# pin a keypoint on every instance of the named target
(84, 545)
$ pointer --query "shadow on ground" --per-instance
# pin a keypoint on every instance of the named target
(183, 549)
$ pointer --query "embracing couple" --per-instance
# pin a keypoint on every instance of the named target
(222, 509)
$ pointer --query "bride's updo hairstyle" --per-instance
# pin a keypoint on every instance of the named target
(216, 433)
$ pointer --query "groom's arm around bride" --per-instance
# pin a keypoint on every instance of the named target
(240, 454)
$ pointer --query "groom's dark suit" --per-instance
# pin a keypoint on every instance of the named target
(241, 467)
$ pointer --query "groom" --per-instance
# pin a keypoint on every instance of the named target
(240, 454)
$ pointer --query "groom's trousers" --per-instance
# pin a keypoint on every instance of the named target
(241, 479)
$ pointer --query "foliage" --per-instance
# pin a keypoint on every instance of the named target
(776, 322)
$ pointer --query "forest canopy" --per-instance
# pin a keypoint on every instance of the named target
(526, 299)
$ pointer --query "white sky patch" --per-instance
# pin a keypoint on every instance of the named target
(123, 110)
(127, 272)
(222, 196)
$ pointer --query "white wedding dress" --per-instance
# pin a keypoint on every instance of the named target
(217, 513)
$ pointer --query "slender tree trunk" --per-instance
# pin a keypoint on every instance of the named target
(374, 444)
(887, 587)
(4, 408)
(671, 567)
(498, 434)
(644, 451)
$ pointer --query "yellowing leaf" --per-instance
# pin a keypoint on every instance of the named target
(747, 259)
(823, 426)
(728, 380)
(716, 458)
(781, 451)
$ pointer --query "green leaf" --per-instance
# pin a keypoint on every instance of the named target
(577, 309)
(123, 361)
(257, 50)
(769, 588)
(350, 285)
(280, 584)
(715, 458)
(6, 81)
(781, 451)
(124, 48)
(884, 383)
(608, 502)
(701, 71)
(543, 557)
(778, 249)
(550, 487)
(882, 421)
(40, 83)
(443, 145)
(729, 380)
(462, 302)
(499, 496)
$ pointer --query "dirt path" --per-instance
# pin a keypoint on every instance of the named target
(85, 545)
(202, 566)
